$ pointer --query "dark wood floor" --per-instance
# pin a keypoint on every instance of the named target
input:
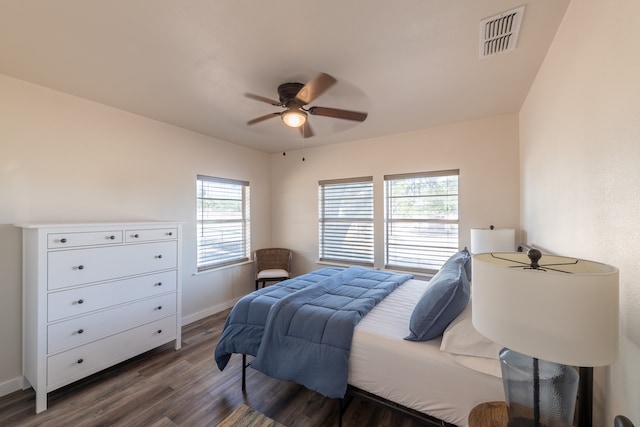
(165, 387)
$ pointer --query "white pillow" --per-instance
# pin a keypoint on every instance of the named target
(460, 337)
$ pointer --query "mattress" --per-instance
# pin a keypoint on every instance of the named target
(417, 375)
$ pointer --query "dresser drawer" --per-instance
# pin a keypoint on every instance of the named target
(151, 234)
(83, 330)
(80, 266)
(82, 300)
(78, 239)
(79, 362)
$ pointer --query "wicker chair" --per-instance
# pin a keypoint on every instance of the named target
(272, 265)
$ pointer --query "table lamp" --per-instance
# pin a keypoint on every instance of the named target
(552, 314)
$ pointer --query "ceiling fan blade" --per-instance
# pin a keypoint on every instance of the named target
(306, 131)
(262, 118)
(315, 88)
(338, 114)
(263, 99)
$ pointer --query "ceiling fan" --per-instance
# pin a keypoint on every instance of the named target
(294, 96)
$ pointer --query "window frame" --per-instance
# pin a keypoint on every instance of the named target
(206, 224)
(329, 248)
(432, 254)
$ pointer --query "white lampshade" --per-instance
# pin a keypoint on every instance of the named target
(492, 240)
(294, 118)
(564, 312)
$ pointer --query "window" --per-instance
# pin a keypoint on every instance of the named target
(346, 220)
(222, 221)
(421, 220)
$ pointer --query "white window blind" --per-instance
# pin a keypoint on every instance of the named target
(346, 220)
(222, 222)
(421, 220)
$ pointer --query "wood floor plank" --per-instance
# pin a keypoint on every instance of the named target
(169, 388)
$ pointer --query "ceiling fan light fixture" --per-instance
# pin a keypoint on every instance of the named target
(294, 118)
(294, 96)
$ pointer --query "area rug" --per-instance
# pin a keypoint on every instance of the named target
(243, 416)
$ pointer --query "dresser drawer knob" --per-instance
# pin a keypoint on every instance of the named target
(112, 237)
(63, 240)
(80, 301)
(159, 307)
(158, 256)
(170, 233)
(136, 236)
(80, 331)
(158, 284)
(80, 361)
(159, 331)
(80, 267)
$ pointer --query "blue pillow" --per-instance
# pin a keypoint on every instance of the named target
(444, 299)
(464, 254)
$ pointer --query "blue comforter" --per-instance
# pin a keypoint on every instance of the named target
(245, 324)
(308, 325)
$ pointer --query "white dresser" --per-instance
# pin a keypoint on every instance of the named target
(95, 295)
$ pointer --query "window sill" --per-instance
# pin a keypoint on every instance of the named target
(224, 267)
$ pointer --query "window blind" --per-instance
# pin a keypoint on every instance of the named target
(222, 222)
(346, 220)
(421, 220)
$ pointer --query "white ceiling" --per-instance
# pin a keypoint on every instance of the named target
(411, 64)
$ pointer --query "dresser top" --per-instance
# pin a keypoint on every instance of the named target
(94, 224)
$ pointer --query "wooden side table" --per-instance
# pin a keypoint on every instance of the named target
(489, 414)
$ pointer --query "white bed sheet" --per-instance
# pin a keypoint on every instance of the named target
(417, 375)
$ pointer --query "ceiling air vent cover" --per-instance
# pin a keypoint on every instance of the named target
(499, 33)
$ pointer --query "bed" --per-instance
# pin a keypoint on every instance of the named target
(442, 377)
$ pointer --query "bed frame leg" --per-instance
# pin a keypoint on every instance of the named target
(344, 404)
(244, 373)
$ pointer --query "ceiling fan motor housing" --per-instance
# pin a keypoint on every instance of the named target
(288, 91)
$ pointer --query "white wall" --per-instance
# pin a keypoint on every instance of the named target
(580, 161)
(63, 158)
(485, 151)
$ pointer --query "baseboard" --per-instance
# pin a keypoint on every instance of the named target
(208, 312)
(10, 386)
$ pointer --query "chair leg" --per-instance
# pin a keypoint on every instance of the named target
(261, 283)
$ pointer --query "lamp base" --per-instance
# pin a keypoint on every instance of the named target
(538, 393)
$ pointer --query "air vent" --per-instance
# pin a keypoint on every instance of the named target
(499, 34)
